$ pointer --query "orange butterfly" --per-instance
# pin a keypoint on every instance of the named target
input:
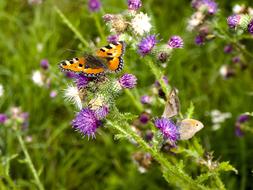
(107, 59)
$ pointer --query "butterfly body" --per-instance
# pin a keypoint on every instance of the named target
(107, 59)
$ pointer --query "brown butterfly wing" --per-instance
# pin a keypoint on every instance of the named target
(172, 105)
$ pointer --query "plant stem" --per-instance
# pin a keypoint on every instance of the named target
(136, 103)
(99, 27)
(29, 161)
(159, 76)
(71, 27)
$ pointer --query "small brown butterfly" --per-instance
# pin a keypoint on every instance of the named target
(172, 105)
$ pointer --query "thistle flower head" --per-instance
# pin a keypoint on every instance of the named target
(86, 122)
(199, 40)
(3, 118)
(233, 21)
(243, 118)
(211, 6)
(70, 75)
(102, 112)
(72, 94)
(168, 129)
(176, 42)
(144, 118)
(146, 99)
(44, 64)
(141, 23)
(113, 38)
(250, 27)
(134, 4)
(165, 80)
(118, 24)
(238, 130)
(228, 48)
(94, 5)
(128, 81)
(53, 94)
(108, 17)
(81, 81)
(147, 44)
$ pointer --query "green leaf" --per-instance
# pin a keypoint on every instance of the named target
(225, 166)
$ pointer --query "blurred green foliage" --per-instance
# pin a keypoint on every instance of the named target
(65, 160)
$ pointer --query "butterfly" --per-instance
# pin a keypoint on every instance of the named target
(187, 128)
(107, 59)
(172, 105)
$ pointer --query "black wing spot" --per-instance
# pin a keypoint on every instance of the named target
(80, 65)
(102, 50)
(64, 63)
(109, 53)
(71, 61)
(108, 47)
(109, 58)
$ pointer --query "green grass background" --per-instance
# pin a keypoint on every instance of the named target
(65, 160)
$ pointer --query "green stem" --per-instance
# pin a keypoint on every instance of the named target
(159, 76)
(29, 161)
(71, 27)
(99, 27)
(136, 103)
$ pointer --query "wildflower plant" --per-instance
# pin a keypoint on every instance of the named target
(95, 100)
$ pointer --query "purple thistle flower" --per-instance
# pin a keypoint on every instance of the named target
(134, 4)
(53, 94)
(211, 6)
(113, 38)
(165, 80)
(3, 118)
(128, 81)
(168, 129)
(108, 17)
(149, 135)
(44, 64)
(236, 59)
(144, 118)
(147, 44)
(146, 99)
(250, 27)
(94, 5)
(86, 122)
(238, 130)
(199, 40)
(243, 118)
(70, 75)
(81, 81)
(176, 42)
(102, 112)
(233, 21)
(228, 48)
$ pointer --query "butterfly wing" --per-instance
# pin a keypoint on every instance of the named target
(88, 65)
(113, 54)
(172, 106)
(188, 128)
